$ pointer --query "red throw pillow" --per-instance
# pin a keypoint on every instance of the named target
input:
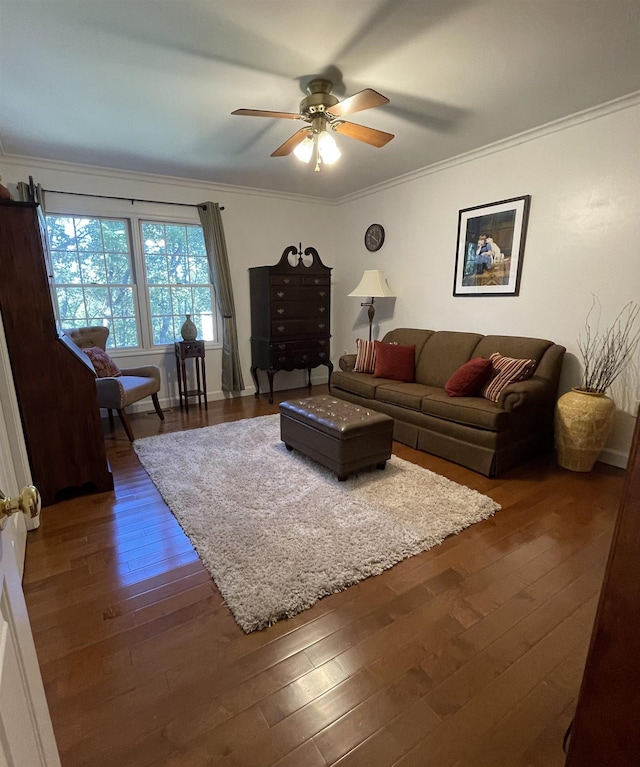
(469, 379)
(395, 361)
(104, 366)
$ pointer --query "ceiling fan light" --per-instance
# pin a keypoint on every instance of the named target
(304, 150)
(329, 151)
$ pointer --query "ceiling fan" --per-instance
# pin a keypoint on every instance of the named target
(324, 112)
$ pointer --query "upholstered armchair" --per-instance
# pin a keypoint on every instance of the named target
(116, 392)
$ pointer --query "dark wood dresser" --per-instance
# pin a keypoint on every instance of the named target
(55, 387)
(290, 315)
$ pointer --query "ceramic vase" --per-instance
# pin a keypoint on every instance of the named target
(583, 423)
(188, 331)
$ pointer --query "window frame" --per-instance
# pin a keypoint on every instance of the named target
(91, 207)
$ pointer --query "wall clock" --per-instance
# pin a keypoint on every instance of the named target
(374, 237)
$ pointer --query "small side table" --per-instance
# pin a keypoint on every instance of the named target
(191, 350)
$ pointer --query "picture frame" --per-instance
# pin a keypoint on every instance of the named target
(490, 248)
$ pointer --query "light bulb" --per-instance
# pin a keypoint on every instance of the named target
(328, 148)
(304, 150)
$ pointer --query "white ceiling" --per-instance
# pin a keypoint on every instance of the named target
(149, 85)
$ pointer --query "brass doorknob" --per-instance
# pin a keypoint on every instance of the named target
(28, 502)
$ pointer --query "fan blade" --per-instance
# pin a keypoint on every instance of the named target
(361, 133)
(262, 113)
(291, 143)
(366, 99)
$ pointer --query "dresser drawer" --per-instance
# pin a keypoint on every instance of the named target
(308, 344)
(300, 293)
(298, 309)
(296, 328)
(286, 279)
(316, 280)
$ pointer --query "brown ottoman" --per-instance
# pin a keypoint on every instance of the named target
(340, 435)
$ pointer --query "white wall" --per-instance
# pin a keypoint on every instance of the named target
(583, 238)
(583, 235)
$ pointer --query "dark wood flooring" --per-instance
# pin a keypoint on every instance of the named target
(468, 655)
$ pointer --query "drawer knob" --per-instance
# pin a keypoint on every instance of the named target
(280, 328)
(280, 311)
(322, 309)
(280, 294)
(321, 325)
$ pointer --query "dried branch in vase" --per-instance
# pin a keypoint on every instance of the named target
(606, 355)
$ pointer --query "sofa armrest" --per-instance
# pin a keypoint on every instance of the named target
(533, 391)
(347, 362)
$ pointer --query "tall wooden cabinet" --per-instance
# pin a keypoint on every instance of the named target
(290, 315)
(55, 388)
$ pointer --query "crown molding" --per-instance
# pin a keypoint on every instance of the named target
(533, 134)
(179, 182)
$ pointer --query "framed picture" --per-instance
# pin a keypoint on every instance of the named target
(490, 248)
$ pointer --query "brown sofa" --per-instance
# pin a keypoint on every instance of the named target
(488, 437)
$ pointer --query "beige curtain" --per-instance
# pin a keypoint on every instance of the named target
(211, 221)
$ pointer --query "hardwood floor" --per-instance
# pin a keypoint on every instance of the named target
(468, 655)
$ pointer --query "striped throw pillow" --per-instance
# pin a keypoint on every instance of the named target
(365, 356)
(505, 371)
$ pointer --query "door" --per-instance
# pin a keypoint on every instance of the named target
(26, 733)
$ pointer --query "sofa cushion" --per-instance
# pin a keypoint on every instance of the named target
(469, 379)
(470, 411)
(365, 356)
(512, 346)
(407, 395)
(506, 370)
(362, 384)
(409, 337)
(394, 361)
(104, 366)
(443, 354)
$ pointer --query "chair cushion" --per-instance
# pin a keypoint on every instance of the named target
(395, 362)
(506, 370)
(104, 366)
(469, 378)
(365, 356)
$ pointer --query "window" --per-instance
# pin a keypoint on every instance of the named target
(93, 275)
(177, 272)
(102, 275)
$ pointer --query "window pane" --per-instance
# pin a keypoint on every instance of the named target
(181, 301)
(93, 269)
(61, 233)
(196, 240)
(118, 269)
(153, 238)
(178, 270)
(201, 300)
(94, 252)
(71, 303)
(97, 302)
(159, 301)
(163, 330)
(114, 234)
(122, 302)
(199, 270)
(88, 233)
(176, 239)
(65, 268)
(157, 273)
(123, 333)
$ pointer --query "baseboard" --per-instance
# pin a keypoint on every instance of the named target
(614, 458)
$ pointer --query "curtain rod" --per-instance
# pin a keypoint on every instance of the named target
(126, 199)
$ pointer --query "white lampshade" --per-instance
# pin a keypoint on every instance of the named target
(304, 149)
(374, 284)
(327, 147)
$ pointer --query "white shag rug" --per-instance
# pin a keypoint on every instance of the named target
(277, 531)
